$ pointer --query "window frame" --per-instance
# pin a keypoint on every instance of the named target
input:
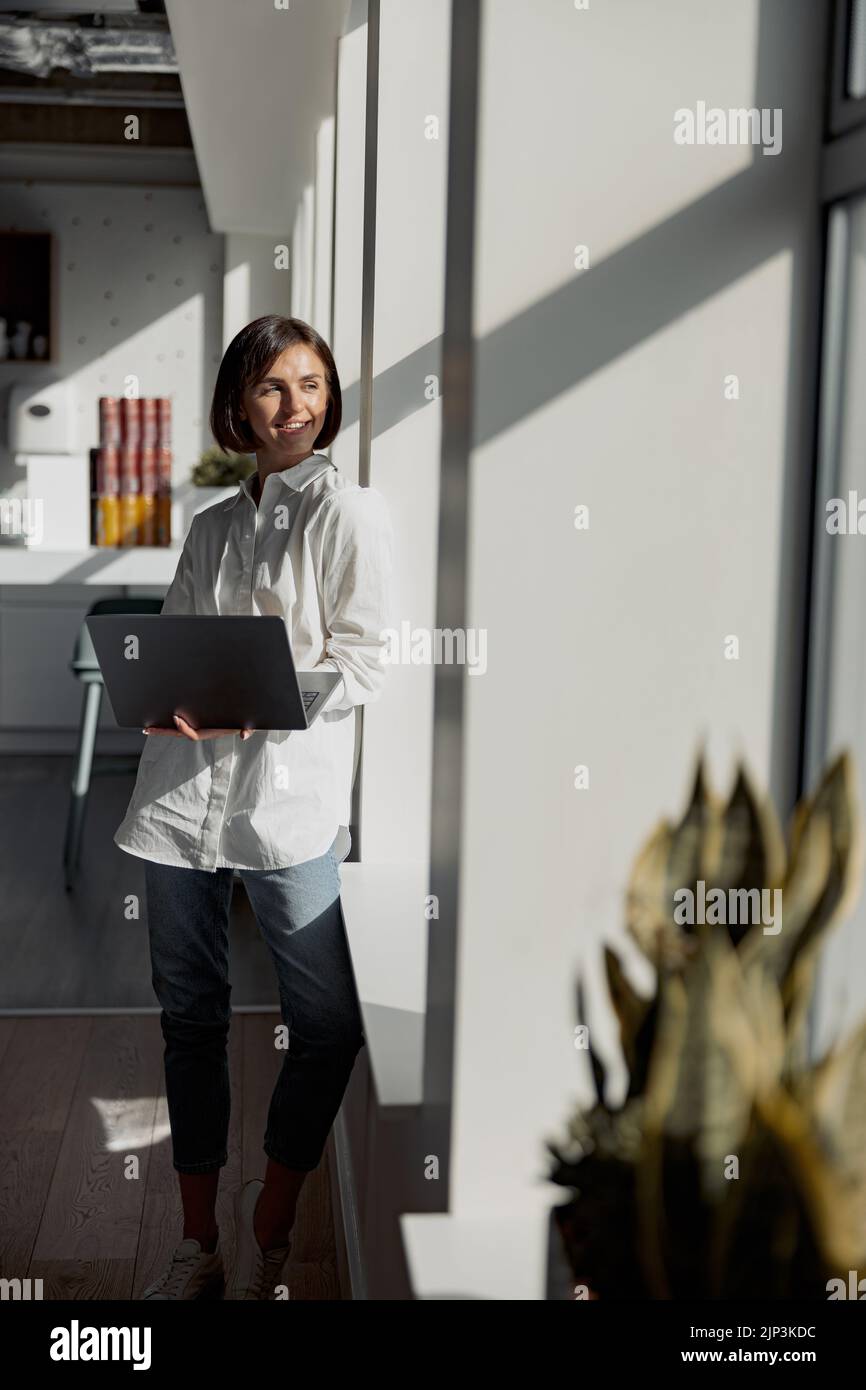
(845, 113)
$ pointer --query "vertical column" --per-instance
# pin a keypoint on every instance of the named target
(405, 402)
(324, 228)
(303, 256)
(348, 244)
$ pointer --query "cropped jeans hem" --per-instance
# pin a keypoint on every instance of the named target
(211, 1167)
(290, 1162)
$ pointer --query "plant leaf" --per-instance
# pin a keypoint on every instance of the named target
(751, 848)
(636, 1016)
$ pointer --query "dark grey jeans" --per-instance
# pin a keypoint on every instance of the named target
(299, 915)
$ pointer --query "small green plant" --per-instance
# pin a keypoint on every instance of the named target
(736, 1165)
(217, 468)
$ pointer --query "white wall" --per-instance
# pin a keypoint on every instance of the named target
(138, 289)
(257, 280)
(606, 388)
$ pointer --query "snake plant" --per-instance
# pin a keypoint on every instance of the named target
(735, 1166)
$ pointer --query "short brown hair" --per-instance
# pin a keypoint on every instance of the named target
(247, 359)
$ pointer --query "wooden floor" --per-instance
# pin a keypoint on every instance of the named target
(82, 1096)
(84, 949)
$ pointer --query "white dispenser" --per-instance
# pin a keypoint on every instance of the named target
(57, 487)
(41, 419)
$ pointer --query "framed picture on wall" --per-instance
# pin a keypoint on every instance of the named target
(25, 296)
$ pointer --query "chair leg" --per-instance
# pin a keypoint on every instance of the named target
(81, 779)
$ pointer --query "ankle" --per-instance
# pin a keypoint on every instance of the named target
(270, 1237)
(206, 1239)
(272, 1230)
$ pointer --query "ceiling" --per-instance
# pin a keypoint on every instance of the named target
(257, 83)
(64, 78)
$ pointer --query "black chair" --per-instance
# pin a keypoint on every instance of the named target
(85, 667)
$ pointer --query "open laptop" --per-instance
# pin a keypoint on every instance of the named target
(215, 672)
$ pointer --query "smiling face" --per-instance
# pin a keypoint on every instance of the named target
(286, 409)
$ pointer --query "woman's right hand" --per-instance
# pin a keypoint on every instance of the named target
(185, 730)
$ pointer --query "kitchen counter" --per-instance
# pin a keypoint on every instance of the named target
(135, 566)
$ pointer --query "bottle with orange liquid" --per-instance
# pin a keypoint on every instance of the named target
(108, 496)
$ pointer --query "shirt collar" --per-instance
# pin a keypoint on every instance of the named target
(296, 477)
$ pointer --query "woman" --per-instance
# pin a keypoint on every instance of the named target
(300, 540)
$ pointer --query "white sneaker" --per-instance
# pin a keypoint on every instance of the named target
(191, 1273)
(256, 1271)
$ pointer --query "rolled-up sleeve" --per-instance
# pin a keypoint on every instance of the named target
(357, 560)
(180, 597)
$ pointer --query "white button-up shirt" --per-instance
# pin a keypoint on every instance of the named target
(318, 551)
